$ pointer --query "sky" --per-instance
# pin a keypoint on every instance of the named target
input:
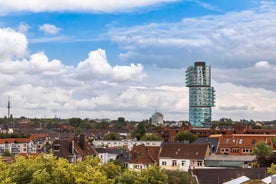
(127, 58)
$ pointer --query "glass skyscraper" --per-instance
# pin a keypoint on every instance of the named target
(201, 94)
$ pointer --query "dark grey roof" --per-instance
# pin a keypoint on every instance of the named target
(219, 176)
(212, 142)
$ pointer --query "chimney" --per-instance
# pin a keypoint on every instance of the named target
(82, 141)
(71, 147)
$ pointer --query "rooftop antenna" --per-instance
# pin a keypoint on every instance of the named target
(9, 107)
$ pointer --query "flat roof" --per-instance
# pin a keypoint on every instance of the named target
(233, 158)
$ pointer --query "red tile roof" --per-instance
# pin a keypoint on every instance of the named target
(141, 154)
(15, 140)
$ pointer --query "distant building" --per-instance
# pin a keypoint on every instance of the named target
(201, 94)
(157, 119)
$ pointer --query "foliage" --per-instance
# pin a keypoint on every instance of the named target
(77, 131)
(139, 131)
(151, 137)
(175, 177)
(112, 136)
(75, 122)
(151, 175)
(272, 169)
(262, 149)
(185, 135)
(6, 153)
(264, 154)
(14, 135)
(47, 169)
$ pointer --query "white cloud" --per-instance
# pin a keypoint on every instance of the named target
(12, 44)
(96, 65)
(23, 27)
(78, 6)
(41, 87)
(262, 64)
(234, 39)
(125, 73)
(261, 75)
(238, 102)
(49, 29)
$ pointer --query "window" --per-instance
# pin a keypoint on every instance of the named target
(253, 141)
(227, 141)
(173, 162)
(164, 163)
(199, 163)
(183, 163)
(235, 150)
(240, 141)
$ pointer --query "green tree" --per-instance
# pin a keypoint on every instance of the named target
(112, 136)
(78, 131)
(151, 137)
(185, 135)
(154, 175)
(6, 153)
(272, 169)
(139, 131)
(262, 149)
(263, 153)
(75, 122)
(175, 177)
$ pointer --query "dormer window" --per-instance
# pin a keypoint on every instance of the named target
(56, 147)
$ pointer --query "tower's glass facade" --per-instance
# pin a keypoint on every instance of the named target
(201, 94)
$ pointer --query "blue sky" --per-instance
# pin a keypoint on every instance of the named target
(103, 59)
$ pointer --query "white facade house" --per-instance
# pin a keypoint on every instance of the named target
(17, 145)
(179, 156)
(175, 164)
(157, 118)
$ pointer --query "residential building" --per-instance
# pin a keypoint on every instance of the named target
(157, 119)
(179, 156)
(107, 155)
(201, 94)
(141, 156)
(72, 149)
(16, 146)
(242, 144)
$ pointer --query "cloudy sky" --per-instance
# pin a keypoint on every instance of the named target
(105, 59)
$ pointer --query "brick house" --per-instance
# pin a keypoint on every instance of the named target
(241, 144)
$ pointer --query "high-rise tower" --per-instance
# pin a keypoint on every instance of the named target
(201, 94)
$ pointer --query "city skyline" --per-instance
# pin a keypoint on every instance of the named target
(94, 59)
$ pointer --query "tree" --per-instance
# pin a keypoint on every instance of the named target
(175, 177)
(272, 169)
(112, 136)
(6, 153)
(75, 122)
(78, 131)
(262, 151)
(151, 137)
(139, 131)
(185, 135)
